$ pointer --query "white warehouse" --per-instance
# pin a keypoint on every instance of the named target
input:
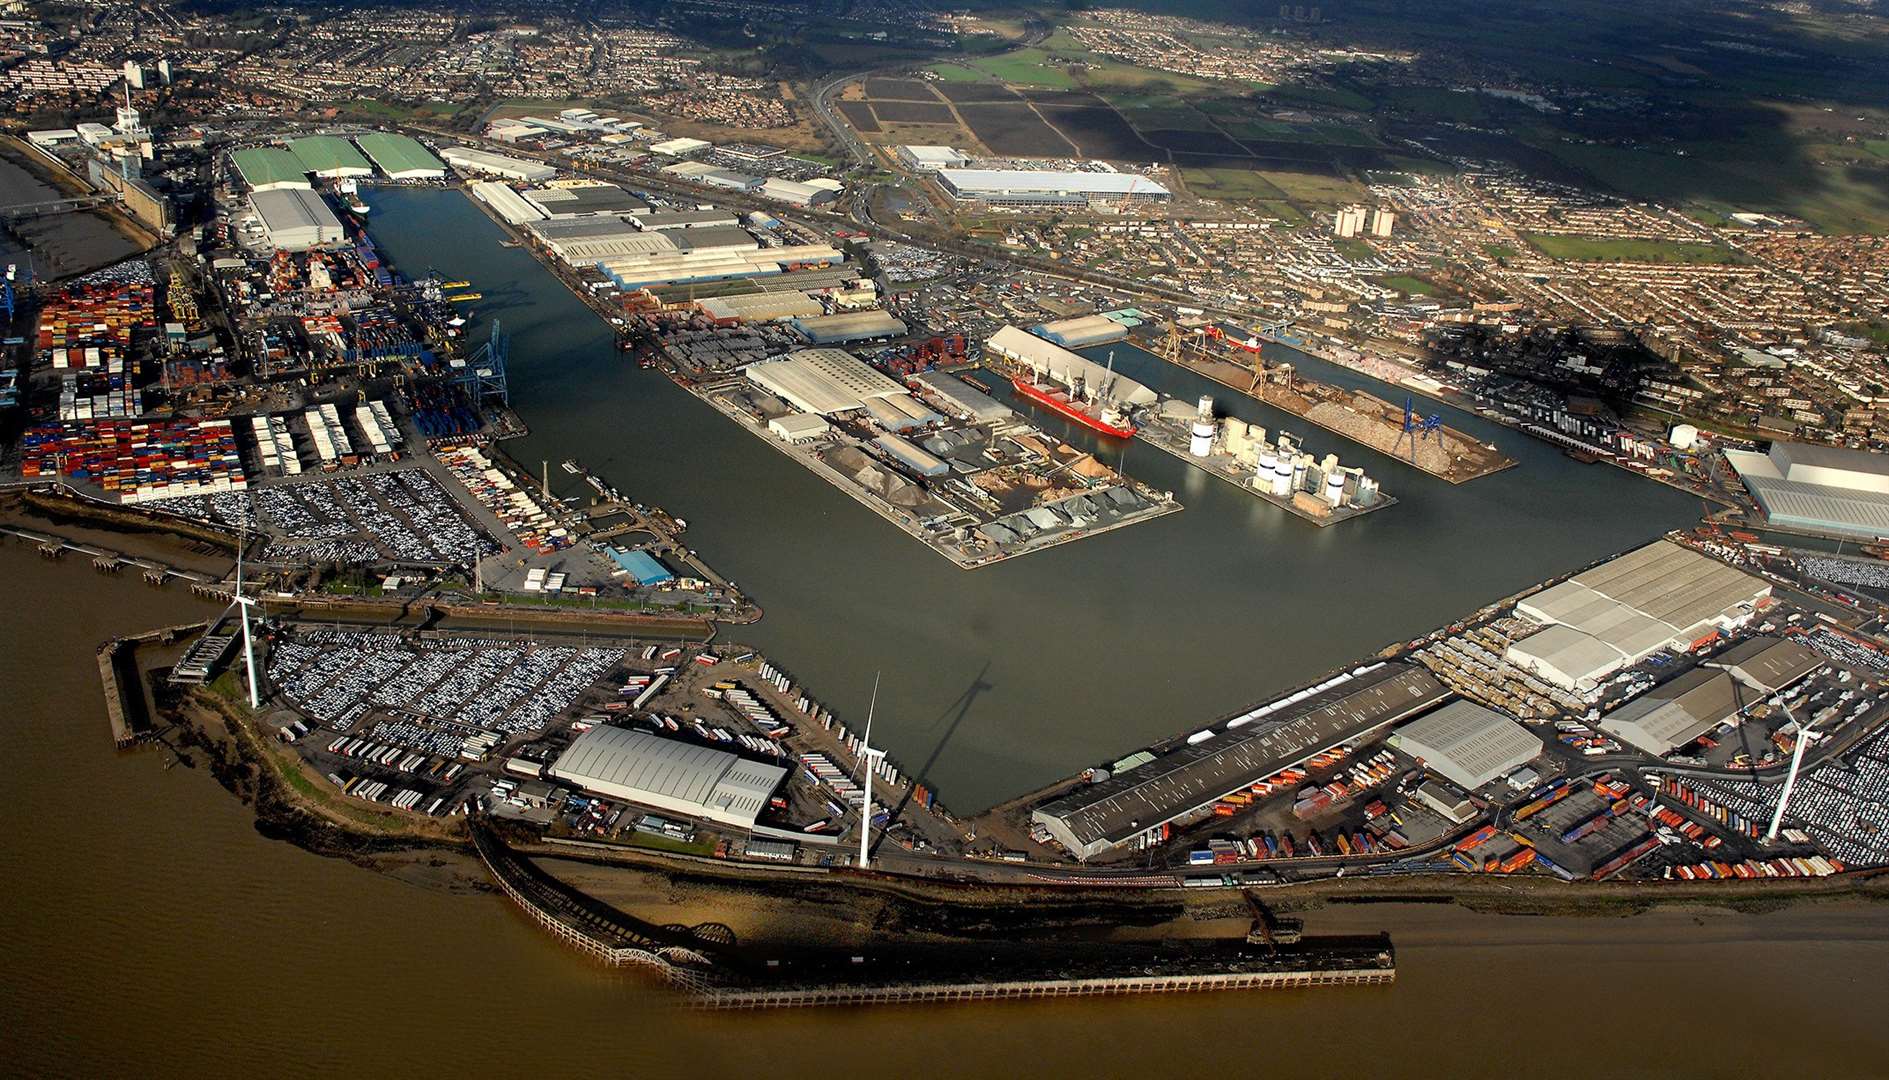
(296, 219)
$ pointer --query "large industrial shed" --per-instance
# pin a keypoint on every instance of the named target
(1565, 657)
(849, 326)
(270, 168)
(401, 157)
(329, 158)
(1467, 744)
(1113, 813)
(297, 220)
(469, 159)
(1818, 488)
(664, 774)
(822, 381)
(1767, 664)
(1661, 596)
(1675, 713)
(1081, 331)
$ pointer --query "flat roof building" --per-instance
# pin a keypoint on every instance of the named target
(329, 157)
(296, 220)
(1818, 488)
(822, 381)
(798, 427)
(931, 158)
(664, 774)
(400, 157)
(1467, 744)
(586, 201)
(665, 220)
(679, 146)
(510, 206)
(1675, 713)
(1113, 813)
(761, 306)
(1030, 187)
(270, 168)
(795, 193)
(967, 401)
(585, 241)
(470, 159)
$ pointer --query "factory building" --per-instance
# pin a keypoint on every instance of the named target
(509, 205)
(588, 200)
(664, 774)
(798, 427)
(1081, 332)
(400, 157)
(270, 168)
(1661, 596)
(297, 220)
(1115, 812)
(467, 159)
(849, 326)
(1673, 714)
(1032, 188)
(1818, 488)
(668, 220)
(931, 158)
(1767, 664)
(1467, 744)
(1052, 361)
(822, 381)
(330, 158)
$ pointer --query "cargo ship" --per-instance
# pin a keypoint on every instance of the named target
(1072, 386)
(1105, 418)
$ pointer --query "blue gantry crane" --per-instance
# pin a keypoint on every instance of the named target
(1417, 427)
(482, 375)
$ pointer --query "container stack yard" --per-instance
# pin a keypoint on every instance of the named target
(135, 461)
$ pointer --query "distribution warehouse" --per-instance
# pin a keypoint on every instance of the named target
(665, 774)
(329, 158)
(1661, 596)
(270, 168)
(1029, 187)
(1819, 488)
(1467, 744)
(296, 220)
(1115, 812)
(467, 159)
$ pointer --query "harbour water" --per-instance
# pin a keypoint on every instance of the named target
(152, 931)
(1004, 678)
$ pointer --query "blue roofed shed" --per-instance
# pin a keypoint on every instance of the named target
(642, 566)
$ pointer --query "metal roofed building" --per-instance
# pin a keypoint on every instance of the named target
(583, 241)
(931, 158)
(679, 777)
(1656, 597)
(1467, 744)
(1055, 362)
(1081, 331)
(270, 168)
(505, 202)
(716, 238)
(1565, 657)
(296, 220)
(795, 193)
(1818, 488)
(400, 157)
(663, 220)
(822, 381)
(329, 157)
(1030, 187)
(590, 200)
(470, 159)
(760, 306)
(966, 400)
(1675, 713)
(1107, 815)
(849, 326)
(1768, 664)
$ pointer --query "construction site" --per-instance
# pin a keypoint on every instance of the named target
(1426, 443)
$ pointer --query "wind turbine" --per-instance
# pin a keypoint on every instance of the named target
(868, 760)
(1804, 739)
(244, 603)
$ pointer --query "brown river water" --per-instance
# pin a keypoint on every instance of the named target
(151, 931)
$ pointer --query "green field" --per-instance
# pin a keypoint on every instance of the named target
(1353, 248)
(1585, 249)
(1231, 185)
(1316, 189)
(1026, 67)
(1405, 283)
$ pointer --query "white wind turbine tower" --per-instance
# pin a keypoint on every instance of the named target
(869, 762)
(1804, 739)
(244, 603)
